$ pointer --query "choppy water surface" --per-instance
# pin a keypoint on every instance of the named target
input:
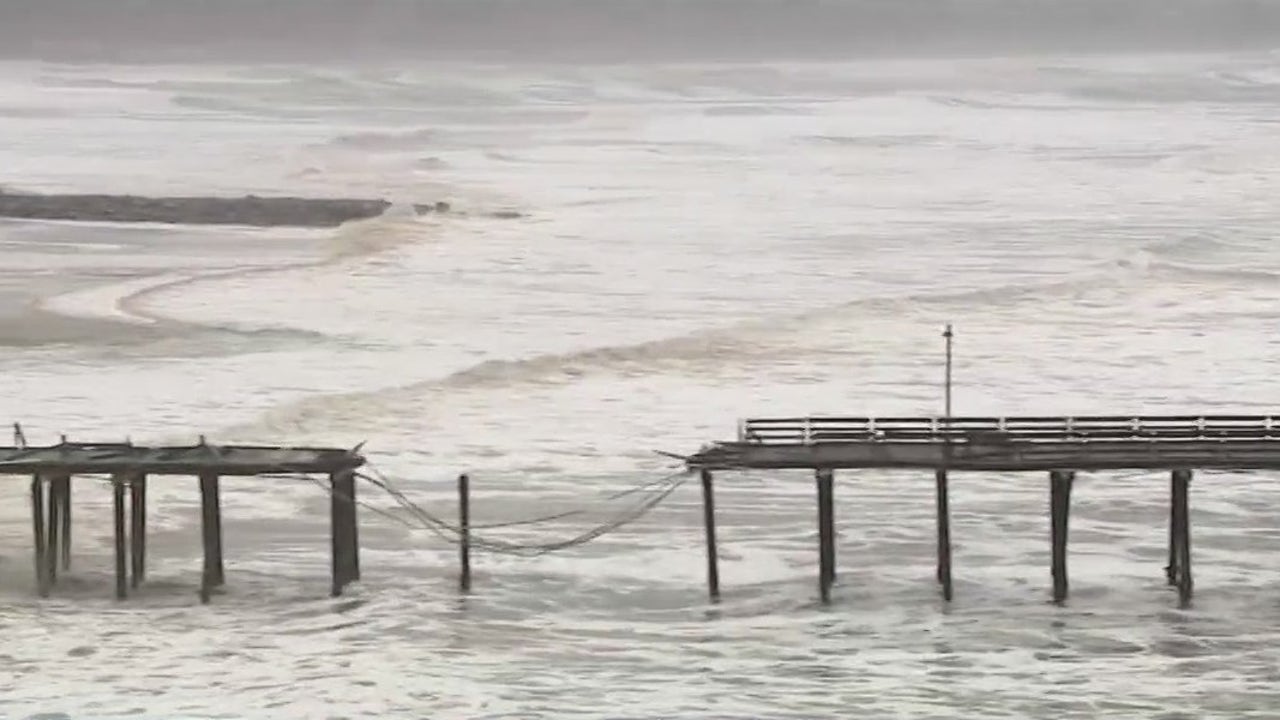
(694, 244)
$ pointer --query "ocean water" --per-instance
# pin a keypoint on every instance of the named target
(640, 255)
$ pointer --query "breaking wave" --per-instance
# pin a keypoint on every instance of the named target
(129, 303)
(352, 241)
(709, 350)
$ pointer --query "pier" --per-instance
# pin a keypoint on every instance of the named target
(1061, 447)
(128, 469)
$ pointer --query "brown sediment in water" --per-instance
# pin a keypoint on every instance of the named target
(247, 210)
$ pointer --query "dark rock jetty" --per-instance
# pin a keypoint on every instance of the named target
(247, 210)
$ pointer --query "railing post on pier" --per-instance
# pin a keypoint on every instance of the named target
(1060, 482)
(1179, 571)
(37, 527)
(709, 523)
(138, 527)
(826, 533)
(211, 535)
(944, 534)
(117, 505)
(464, 531)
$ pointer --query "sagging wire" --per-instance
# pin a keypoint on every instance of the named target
(453, 534)
(659, 490)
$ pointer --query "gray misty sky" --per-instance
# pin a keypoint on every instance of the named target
(584, 30)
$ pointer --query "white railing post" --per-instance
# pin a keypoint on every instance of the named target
(807, 431)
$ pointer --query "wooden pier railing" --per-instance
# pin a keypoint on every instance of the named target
(1105, 428)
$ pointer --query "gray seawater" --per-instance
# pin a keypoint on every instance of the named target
(697, 243)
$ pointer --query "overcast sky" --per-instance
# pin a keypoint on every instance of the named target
(338, 30)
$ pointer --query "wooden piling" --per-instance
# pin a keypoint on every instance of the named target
(709, 524)
(1060, 482)
(1181, 502)
(37, 527)
(122, 578)
(831, 531)
(944, 533)
(53, 526)
(353, 531)
(341, 522)
(63, 483)
(464, 532)
(211, 535)
(1171, 569)
(138, 527)
(826, 528)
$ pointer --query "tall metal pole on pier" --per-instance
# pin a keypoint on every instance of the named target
(942, 481)
(947, 386)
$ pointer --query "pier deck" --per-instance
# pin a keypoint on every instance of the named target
(1061, 446)
(1227, 442)
(128, 468)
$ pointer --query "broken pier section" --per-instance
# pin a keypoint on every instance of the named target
(128, 469)
(1058, 446)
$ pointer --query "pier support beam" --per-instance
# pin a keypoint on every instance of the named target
(53, 527)
(826, 533)
(211, 535)
(138, 527)
(342, 521)
(62, 485)
(117, 504)
(1178, 571)
(1060, 482)
(709, 523)
(353, 522)
(944, 534)
(38, 533)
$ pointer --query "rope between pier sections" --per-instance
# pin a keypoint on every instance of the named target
(665, 486)
(652, 492)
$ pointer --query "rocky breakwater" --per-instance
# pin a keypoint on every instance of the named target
(247, 210)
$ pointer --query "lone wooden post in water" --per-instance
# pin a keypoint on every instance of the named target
(826, 533)
(1060, 482)
(709, 522)
(464, 531)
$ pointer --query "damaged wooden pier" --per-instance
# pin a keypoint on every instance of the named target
(128, 469)
(1059, 446)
